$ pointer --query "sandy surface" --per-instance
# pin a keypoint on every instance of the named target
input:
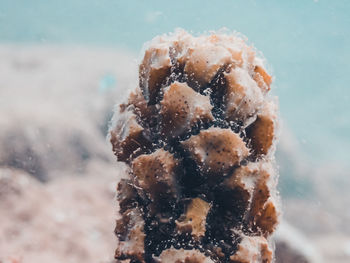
(66, 220)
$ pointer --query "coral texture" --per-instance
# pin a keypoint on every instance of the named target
(198, 136)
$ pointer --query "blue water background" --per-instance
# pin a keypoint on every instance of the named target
(306, 42)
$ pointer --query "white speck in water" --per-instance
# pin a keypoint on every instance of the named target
(152, 17)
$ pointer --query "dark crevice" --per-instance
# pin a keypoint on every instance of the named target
(160, 228)
(224, 218)
(217, 89)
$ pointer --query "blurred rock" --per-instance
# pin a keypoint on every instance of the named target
(66, 220)
(55, 104)
(293, 247)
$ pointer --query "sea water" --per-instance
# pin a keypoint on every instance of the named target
(306, 43)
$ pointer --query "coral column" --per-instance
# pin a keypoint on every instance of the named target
(198, 135)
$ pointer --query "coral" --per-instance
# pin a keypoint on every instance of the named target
(180, 255)
(194, 219)
(252, 250)
(130, 231)
(198, 135)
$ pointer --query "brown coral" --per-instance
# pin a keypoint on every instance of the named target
(198, 136)
(193, 221)
(127, 135)
(130, 231)
(182, 108)
(252, 250)
(156, 174)
(216, 150)
(182, 256)
(263, 131)
(154, 70)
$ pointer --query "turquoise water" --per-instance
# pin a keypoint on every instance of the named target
(307, 44)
